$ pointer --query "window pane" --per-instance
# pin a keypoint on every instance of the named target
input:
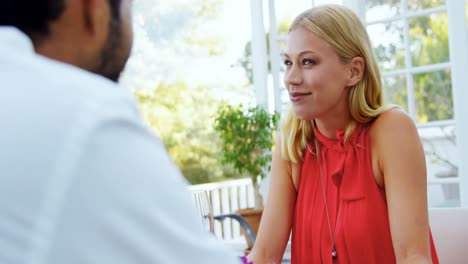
(429, 39)
(433, 96)
(416, 5)
(382, 9)
(394, 91)
(387, 40)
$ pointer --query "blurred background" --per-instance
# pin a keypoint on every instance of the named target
(192, 56)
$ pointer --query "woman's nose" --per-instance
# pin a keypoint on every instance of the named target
(293, 76)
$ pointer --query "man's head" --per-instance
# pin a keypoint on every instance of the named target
(95, 35)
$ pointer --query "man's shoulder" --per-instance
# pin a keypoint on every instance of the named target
(60, 95)
(78, 82)
(72, 88)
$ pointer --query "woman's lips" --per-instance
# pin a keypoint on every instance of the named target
(295, 97)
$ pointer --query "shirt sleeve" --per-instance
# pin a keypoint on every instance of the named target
(128, 203)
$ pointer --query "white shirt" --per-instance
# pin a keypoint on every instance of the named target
(81, 178)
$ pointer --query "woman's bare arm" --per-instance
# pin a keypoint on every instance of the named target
(402, 162)
(276, 223)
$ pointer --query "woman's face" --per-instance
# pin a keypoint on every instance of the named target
(315, 77)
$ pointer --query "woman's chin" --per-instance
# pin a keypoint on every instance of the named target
(302, 114)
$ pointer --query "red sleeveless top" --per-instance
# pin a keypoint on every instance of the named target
(361, 227)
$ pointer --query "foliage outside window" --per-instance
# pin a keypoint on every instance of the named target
(182, 117)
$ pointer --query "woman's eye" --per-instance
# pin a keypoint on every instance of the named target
(287, 63)
(308, 62)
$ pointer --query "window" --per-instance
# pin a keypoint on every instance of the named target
(410, 39)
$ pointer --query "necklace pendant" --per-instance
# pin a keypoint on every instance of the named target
(333, 253)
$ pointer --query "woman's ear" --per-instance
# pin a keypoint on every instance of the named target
(356, 70)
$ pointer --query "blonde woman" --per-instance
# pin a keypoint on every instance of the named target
(348, 173)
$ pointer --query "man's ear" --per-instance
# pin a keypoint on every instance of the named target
(96, 17)
(356, 70)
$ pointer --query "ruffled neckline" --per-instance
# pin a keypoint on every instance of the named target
(338, 143)
(343, 157)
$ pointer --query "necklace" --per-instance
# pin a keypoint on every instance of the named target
(334, 254)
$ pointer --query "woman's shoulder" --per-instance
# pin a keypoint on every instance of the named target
(391, 124)
(392, 117)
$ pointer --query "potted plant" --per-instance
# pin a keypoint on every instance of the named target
(248, 137)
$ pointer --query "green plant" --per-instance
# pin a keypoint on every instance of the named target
(247, 140)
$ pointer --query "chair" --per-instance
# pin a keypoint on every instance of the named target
(202, 201)
(450, 233)
(247, 229)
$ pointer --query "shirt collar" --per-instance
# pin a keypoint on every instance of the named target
(11, 38)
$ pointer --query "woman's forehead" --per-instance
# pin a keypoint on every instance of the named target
(302, 41)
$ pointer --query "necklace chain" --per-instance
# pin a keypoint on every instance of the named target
(332, 237)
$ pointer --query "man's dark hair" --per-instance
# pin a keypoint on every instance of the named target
(34, 16)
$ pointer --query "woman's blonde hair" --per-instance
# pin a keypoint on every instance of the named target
(342, 29)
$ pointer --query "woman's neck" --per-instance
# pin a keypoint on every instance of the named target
(329, 126)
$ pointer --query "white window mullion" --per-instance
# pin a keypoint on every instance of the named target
(420, 69)
(408, 61)
(440, 123)
(409, 14)
(259, 53)
(274, 56)
(458, 47)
